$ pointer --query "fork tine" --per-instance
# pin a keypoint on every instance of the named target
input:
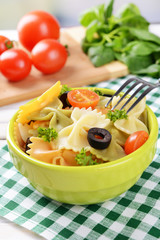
(140, 98)
(119, 90)
(132, 96)
(124, 95)
(136, 82)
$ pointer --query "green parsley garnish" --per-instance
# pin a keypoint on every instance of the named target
(47, 134)
(117, 114)
(98, 92)
(83, 159)
(64, 89)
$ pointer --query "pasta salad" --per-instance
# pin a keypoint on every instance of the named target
(72, 127)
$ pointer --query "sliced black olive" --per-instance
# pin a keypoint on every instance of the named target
(26, 147)
(99, 138)
(64, 100)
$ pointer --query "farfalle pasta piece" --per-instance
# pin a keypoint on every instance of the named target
(59, 120)
(113, 152)
(67, 158)
(103, 101)
(47, 152)
(136, 111)
(24, 130)
(133, 123)
(39, 103)
(43, 151)
(75, 135)
(46, 113)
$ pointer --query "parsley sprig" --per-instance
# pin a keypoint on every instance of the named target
(64, 89)
(47, 134)
(98, 92)
(117, 114)
(83, 159)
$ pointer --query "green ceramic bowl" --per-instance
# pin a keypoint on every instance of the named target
(85, 184)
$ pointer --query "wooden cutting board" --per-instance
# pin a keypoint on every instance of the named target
(77, 72)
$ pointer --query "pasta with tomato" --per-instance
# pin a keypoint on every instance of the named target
(59, 135)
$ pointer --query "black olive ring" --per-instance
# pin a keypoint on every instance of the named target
(64, 100)
(99, 138)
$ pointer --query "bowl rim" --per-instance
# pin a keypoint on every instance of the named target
(152, 138)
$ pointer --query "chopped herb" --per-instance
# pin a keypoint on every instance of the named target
(47, 134)
(83, 159)
(117, 114)
(64, 89)
(98, 92)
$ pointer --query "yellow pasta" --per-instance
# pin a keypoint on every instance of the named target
(39, 103)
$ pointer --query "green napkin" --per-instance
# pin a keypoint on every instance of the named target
(133, 215)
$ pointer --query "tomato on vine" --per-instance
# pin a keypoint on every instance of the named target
(15, 64)
(36, 26)
(49, 56)
(5, 44)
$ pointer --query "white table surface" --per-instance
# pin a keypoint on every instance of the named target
(9, 230)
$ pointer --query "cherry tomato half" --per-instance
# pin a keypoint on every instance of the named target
(5, 44)
(15, 64)
(83, 98)
(35, 26)
(49, 56)
(135, 140)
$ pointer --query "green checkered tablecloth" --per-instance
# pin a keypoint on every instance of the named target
(133, 215)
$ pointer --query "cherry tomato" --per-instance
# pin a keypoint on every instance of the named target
(83, 98)
(49, 56)
(135, 140)
(5, 44)
(35, 26)
(15, 64)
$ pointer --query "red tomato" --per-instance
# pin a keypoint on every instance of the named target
(135, 140)
(35, 26)
(15, 64)
(49, 56)
(83, 98)
(5, 44)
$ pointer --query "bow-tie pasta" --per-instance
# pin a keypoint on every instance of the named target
(54, 134)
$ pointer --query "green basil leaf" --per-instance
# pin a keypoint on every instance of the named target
(91, 30)
(144, 35)
(135, 21)
(135, 62)
(141, 48)
(100, 55)
(153, 71)
(129, 9)
(87, 17)
(120, 56)
(92, 14)
(109, 9)
(120, 42)
(100, 9)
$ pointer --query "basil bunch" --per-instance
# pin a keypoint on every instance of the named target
(124, 36)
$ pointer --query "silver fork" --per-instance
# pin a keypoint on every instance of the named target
(136, 81)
